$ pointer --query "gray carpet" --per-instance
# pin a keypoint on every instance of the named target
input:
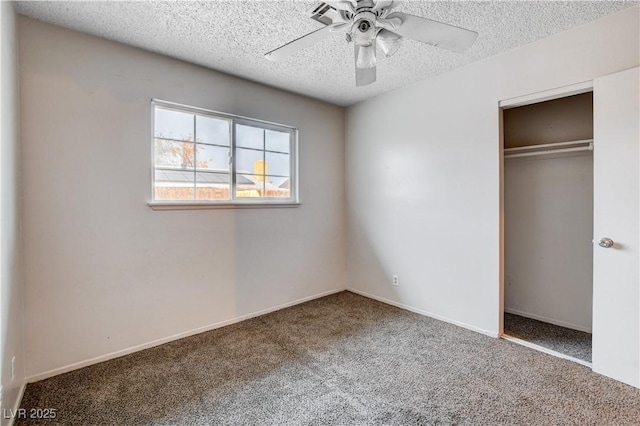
(343, 359)
(560, 339)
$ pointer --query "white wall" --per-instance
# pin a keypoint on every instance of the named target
(11, 295)
(548, 210)
(104, 272)
(423, 171)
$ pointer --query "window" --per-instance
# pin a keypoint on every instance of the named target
(208, 158)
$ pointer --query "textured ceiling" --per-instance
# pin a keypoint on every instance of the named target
(233, 36)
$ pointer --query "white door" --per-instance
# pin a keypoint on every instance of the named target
(616, 273)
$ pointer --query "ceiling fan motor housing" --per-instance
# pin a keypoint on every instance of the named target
(364, 29)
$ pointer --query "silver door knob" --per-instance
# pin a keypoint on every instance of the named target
(605, 242)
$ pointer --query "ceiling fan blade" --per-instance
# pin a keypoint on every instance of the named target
(365, 64)
(389, 42)
(300, 43)
(435, 33)
(349, 5)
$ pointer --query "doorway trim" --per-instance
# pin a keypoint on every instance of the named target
(528, 99)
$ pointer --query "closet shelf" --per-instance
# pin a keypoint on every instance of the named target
(549, 148)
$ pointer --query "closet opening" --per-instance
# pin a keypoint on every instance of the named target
(548, 225)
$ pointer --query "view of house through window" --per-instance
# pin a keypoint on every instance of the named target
(206, 156)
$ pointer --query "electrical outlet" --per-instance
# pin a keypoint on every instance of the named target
(13, 368)
(395, 281)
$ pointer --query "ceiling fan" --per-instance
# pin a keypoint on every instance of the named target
(371, 24)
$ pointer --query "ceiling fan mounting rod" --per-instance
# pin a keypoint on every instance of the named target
(351, 8)
(364, 5)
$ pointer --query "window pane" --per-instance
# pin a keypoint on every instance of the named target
(249, 186)
(249, 137)
(194, 150)
(212, 186)
(173, 154)
(279, 181)
(212, 130)
(172, 176)
(173, 185)
(249, 161)
(278, 187)
(243, 180)
(276, 141)
(212, 157)
(277, 164)
(208, 178)
(173, 125)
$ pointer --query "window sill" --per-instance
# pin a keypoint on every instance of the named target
(182, 205)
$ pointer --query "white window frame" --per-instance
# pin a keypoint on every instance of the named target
(233, 202)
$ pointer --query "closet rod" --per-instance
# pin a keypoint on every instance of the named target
(548, 145)
(551, 151)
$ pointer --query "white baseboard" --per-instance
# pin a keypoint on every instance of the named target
(425, 313)
(75, 366)
(548, 320)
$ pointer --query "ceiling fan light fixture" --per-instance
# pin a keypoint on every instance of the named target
(389, 42)
(366, 56)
